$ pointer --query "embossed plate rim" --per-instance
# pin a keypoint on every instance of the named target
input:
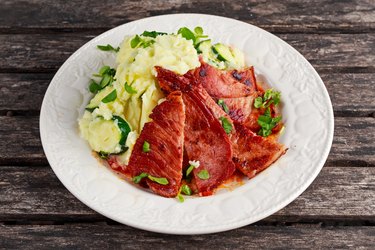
(99, 189)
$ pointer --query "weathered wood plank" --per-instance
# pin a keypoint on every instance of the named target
(38, 52)
(353, 144)
(351, 94)
(300, 16)
(354, 140)
(36, 194)
(123, 237)
(327, 52)
(20, 141)
(22, 93)
(332, 52)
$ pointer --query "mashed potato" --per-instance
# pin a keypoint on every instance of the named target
(135, 67)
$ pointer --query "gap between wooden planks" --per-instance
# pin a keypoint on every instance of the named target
(344, 194)
(328, 53)
(282, 16)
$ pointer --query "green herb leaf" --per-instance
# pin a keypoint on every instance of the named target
(137, 179)
(264, 121)
(223, 105)
(180, 198)
(103, 70)
(276, 119)
(130, 89)
(103, 155)
(258, 102)
(267, 112)
(106, 70)
(94, 87)
(270, 97)
(264, 132)
(160, 180)
(91, 109)
(108, 47)
(203, 175)
(189, 170)
(198, 30)
(146, 44)
(111, 72)
(138, 41)
(268, 94)
(187, 34)
(110, 97)
(107, 75)
(152, 34)
(185, 189)
(106, 80)
(267, 123)
(227, 125)
(146, 147)
(135, 41)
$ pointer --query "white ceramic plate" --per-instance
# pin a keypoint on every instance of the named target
(307, 113)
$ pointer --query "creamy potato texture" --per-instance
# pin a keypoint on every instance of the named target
(135, 67)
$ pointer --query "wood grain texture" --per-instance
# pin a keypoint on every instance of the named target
(22, 92)
(331, 53)
(20, 141)
(353, 144)
(351, 94)
(123, 237)
(338, 194)
(336, 211)
(298, 16)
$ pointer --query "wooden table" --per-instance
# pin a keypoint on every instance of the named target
(337, 210)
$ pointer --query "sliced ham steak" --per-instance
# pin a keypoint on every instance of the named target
(207, 142)
(205, 138)
(251, 153)
(238, 88)
(165, 135)
(247, 77)
(242, 111)
(225, 84)
(254, 153)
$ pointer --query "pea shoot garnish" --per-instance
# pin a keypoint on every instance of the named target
(269, 97)
(146, 147)
(139, 41)
(152, 34)
(196, 35)
(204, 175)
(223, 105)
(267, 123)
(110, 97)
(159, 180)
(227, 125)
(185, 189)
(108, 47)
(129, 89)
(107, 75)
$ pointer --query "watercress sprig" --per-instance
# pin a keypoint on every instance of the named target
(196, 35)
(107, 75)
(108, 47)
(270, 97)
(267, 123)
